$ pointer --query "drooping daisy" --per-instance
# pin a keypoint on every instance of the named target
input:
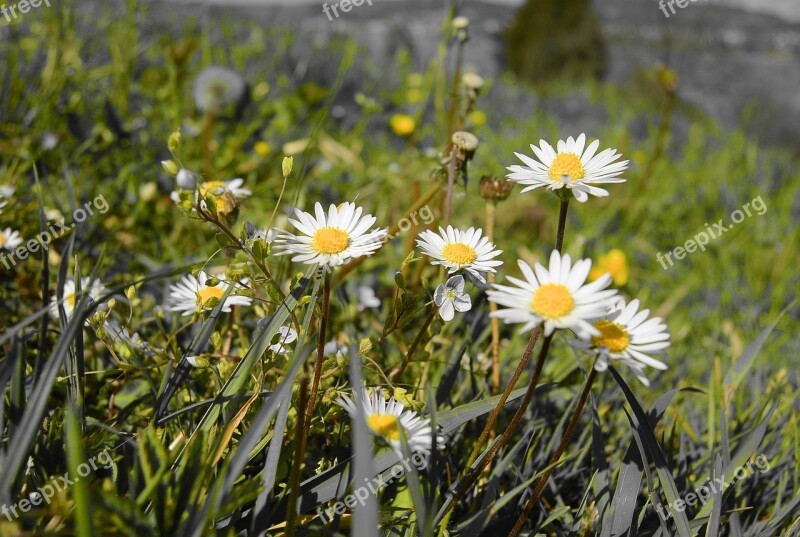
(366, 298)
(286, 335)
(456, 249)
(330, 240)
(219, 189)
(334, 348)
(558, 297)
(451, 297)
(627, 336)
(10, 239)
(385, 419)
(569, 167)
(70, 299)
(192, 294)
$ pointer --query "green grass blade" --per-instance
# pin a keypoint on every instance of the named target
(654, 449)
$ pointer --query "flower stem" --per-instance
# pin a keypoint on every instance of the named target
(207, 127)
(587, 388)
(512, 427)
(294, 476)
(404, 364)
(491, 206)
(451, 179)
(323, 324)
(562, 223)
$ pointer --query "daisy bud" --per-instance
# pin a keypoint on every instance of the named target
(169, 167)
(186, 179)
(287, 164)
(174, 141)
(494, 188)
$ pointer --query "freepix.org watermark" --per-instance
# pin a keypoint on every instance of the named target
(372, 487)
(712, 231)
(23, 6)
(60, 483)
(664, 4)
(344, 5)
(705, 492)
(54, 231)
(405, 223)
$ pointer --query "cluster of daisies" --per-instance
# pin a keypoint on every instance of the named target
(562, 296)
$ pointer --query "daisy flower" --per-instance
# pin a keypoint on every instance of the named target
(287, 335)
(456, 249)
(450, 297)
(192, 294)
(558, 297)
(70, 299)
(10, 239)
(330, 240)
(385, 419)
(570, 166)
(627, 336)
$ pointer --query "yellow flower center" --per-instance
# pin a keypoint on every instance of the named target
(386, 425)
(330, 240)
(566, 164)
(71, 299)
(612, 336)
(2, 239)
(552, 300)
(207, 293)
(459, 253)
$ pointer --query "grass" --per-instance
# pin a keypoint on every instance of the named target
(216, 443)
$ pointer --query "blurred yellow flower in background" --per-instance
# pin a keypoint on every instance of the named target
(615, 263)
(262, 148)
(477, 117)
(403, 125)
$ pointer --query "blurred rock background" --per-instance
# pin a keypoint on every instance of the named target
(737, 60)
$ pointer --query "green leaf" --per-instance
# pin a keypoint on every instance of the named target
(654, 449)
(80, 489)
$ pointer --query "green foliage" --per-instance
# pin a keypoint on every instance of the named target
(202, 417)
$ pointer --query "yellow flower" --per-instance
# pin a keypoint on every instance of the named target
(477, 117)
(262, 148)
(614, 263)
(403, 125)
